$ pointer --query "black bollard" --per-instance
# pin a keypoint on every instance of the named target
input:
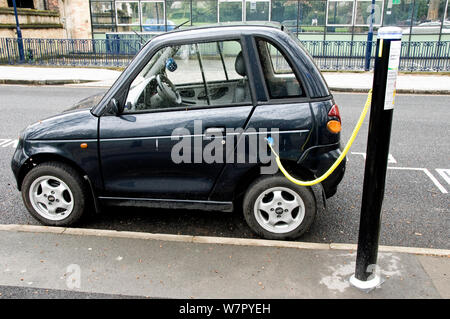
(382, 108)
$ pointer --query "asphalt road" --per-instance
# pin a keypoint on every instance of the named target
(415, 209)
(15, 292)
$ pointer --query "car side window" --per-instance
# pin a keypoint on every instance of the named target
(279, 76)
(191, 75)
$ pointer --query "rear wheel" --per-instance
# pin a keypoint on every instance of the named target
(275, 208)
(54, 194)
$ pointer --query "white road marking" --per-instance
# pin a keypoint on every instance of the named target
(427, 172)
(445, 173)
(4, 142)
(391, 158)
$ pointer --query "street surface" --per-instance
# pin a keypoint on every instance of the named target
(415, 209)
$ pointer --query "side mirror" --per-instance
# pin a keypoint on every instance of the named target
(114, 107)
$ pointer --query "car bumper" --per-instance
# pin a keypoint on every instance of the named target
(18, 159)
(319, 159)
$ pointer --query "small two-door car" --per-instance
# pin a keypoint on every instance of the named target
(182, 127)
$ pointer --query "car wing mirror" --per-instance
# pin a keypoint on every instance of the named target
(114, 107)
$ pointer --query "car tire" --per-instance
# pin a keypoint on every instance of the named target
(276, 208)
(54, 194)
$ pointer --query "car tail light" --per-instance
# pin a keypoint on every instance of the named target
(334, 121)
(334, 112)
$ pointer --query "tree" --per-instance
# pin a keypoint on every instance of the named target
(433, 10)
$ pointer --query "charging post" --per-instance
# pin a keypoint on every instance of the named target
(383, 92)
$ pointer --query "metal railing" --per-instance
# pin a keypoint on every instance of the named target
(117, 52)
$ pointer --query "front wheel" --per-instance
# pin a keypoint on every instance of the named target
(54, 194)
(275, 208)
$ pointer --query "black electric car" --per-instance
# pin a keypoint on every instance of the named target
(183, 127)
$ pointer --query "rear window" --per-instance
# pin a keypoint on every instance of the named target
(280, 79)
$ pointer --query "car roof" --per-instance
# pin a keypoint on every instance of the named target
(270, 24)
(222, 28)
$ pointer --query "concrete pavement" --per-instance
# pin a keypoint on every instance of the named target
(171, 266)
(337, 81)
(57, 76)
(406, 83)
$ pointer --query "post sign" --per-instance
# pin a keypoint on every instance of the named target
(391, 81)
(377, 155)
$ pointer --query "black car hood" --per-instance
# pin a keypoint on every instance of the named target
(87, 103)
(78, 124)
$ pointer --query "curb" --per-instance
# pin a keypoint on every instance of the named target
(214, 240)
(400, 91)
(335, 89)
(43, 82)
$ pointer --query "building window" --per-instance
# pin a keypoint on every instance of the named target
(340, 12)
(178, 12)
(286, 13)
(153, 14)
(257, 10)
(22, 4)
(428, 16)
(426, 20)
(102, 13)
(364, 10)
(312, 16)
(127, 13)
(398, 14)
(230, 10)
(204, 12)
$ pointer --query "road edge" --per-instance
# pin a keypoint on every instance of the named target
(43, 82)
(215, 240)
(398, 91)
(98, 83)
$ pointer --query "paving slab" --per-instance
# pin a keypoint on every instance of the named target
(171, 269)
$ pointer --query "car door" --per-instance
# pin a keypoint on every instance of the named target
(288, 102)
(156, 148)
(285, 115)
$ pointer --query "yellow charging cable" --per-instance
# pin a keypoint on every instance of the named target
(340, 158)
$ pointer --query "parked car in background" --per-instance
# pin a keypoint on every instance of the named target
(432, 27)
(152, 25)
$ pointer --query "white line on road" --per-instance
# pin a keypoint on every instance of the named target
(427, 172)
(391, 158)
(4, 142)
(445, 173)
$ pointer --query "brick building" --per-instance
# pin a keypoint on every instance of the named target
(46, 19)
